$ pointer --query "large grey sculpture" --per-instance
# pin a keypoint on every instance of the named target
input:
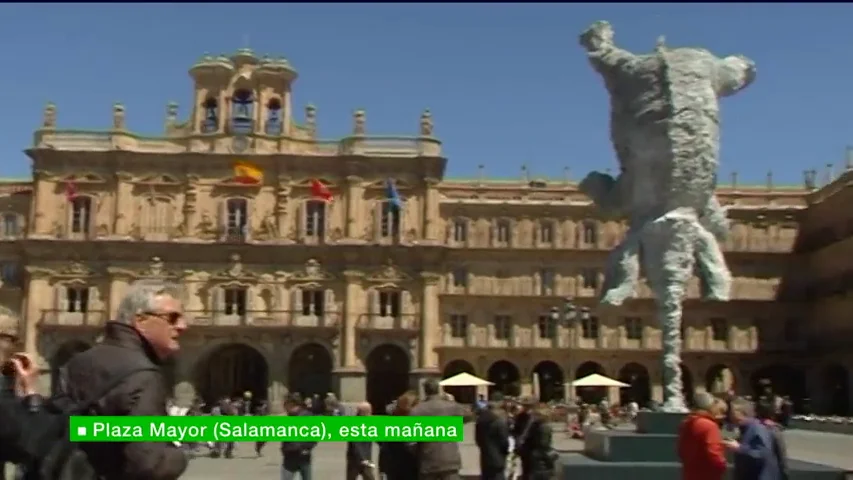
(664, 126)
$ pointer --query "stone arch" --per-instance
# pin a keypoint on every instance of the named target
(230, 369)
(780, 379)
(637, 376)
(551, 381)
(590, 394)
(506, 378)
(720, 378)
(62, 355)
(687, 387)
(309, 370)
(836, 384)
(388, 367)
(453, 368)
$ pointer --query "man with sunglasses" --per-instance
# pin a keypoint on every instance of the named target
(144, 337)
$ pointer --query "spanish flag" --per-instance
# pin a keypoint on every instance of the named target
(246, 173)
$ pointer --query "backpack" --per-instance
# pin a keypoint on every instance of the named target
(39, 440)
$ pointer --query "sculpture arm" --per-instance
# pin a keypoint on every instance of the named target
(733, 74)
(602, 53)
(714, 218)
(603, 190)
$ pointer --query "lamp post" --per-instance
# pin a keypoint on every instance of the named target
(570, 314)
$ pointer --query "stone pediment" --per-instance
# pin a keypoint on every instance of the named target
(306, 182)
(312, 272)
(155, 269)
(235, 271)
(89, 177)
(159, 179)
(389, 273)
(74, 270)
(400, 184)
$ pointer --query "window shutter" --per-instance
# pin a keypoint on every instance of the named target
(93, 217)
(223, 219)
(61, 298)
(217, 302)
(377, 221)
(372, 303)
(301, 220)
(249, 219)
(296, 301)
(250, 301)
(94, 300)
(329, 301)
(406, 303)
(403, 212)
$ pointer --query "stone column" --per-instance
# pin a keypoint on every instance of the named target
(190, 210)
(430, 213)
(355, 197)
(44, 191)
(429, 322)
(352, 309)
(282, 201)
(123, 206)
(38, 292)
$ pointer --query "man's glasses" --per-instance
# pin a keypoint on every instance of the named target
(171, 317)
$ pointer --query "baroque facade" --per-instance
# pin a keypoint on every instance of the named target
(285, 292)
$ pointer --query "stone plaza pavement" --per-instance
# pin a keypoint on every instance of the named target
(826, 448)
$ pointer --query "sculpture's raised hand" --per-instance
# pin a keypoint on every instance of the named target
(734, 73)
(597, 36)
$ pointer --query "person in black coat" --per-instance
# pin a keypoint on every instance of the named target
(492, 434)
(397, 460)
(296, 456)
(360, 454)
(533, 442)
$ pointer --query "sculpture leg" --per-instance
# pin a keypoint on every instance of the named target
(714, 275)
(668, 249)
(622, 271)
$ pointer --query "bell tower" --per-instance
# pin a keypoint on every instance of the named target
(242, 95)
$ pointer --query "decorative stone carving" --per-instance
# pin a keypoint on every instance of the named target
(75, 269)
(155, 269)
(426, 124)
(388, 273)
(235, 270)
(118, 117)
(665, 130)
(312, 272)
(359, 122)
(49, 117)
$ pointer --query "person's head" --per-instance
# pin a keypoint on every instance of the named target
(293, 403)
(765, 411)
(405, 403)
(153, 309)
(742, 410)
(527, 404)
(706, 403)
(431, 387)
(363, 409)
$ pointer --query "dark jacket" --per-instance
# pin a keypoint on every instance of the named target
(754, 459)
(533, 443)
(438, 457)
(298, 451)
(140, 394)
(397, 461)
(492, 434)
(358, 452)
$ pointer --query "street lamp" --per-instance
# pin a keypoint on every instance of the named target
(570, 315)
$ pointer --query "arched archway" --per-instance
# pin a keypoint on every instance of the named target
(719, 379)
(837, 387)
(551, 381)
(461, 394)
(61, 357)
(640, 390)
(687, 387)
(782, 380)
(309, 371)
(506, 378)
(230, 370)
(592, 395)
(387, 375)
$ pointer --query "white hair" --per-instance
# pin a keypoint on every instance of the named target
(142, 297)
(704, 401)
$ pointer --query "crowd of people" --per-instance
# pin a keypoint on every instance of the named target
(122, 376)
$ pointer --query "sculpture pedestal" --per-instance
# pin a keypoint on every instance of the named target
(649, 453)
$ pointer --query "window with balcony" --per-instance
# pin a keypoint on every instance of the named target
(315, 219)
(502, 232)
(156, 217)
(719, 329)
(460, 278)
(11, 274)
(589, 327)
(503, 327)
(546, 286)
(10, 225)
(237, 220)
(633, 328)
(590, 233)
(460, 231)
(390, 220)
(547, 327)
(546, 232)
(81, 214)
(313, 302)
(589, 278)
(235, 301)
(77, 299)
(458, 326)
(390, 304)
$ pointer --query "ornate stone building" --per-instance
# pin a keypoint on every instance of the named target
(285, 292)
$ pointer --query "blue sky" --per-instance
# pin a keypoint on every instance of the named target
(507, 84)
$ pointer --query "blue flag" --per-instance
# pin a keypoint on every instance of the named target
(392, 195)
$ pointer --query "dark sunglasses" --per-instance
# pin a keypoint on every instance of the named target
(171, 317)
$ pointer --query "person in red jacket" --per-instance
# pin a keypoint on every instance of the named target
(700, 442)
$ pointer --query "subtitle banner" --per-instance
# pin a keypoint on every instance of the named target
(266, 429)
